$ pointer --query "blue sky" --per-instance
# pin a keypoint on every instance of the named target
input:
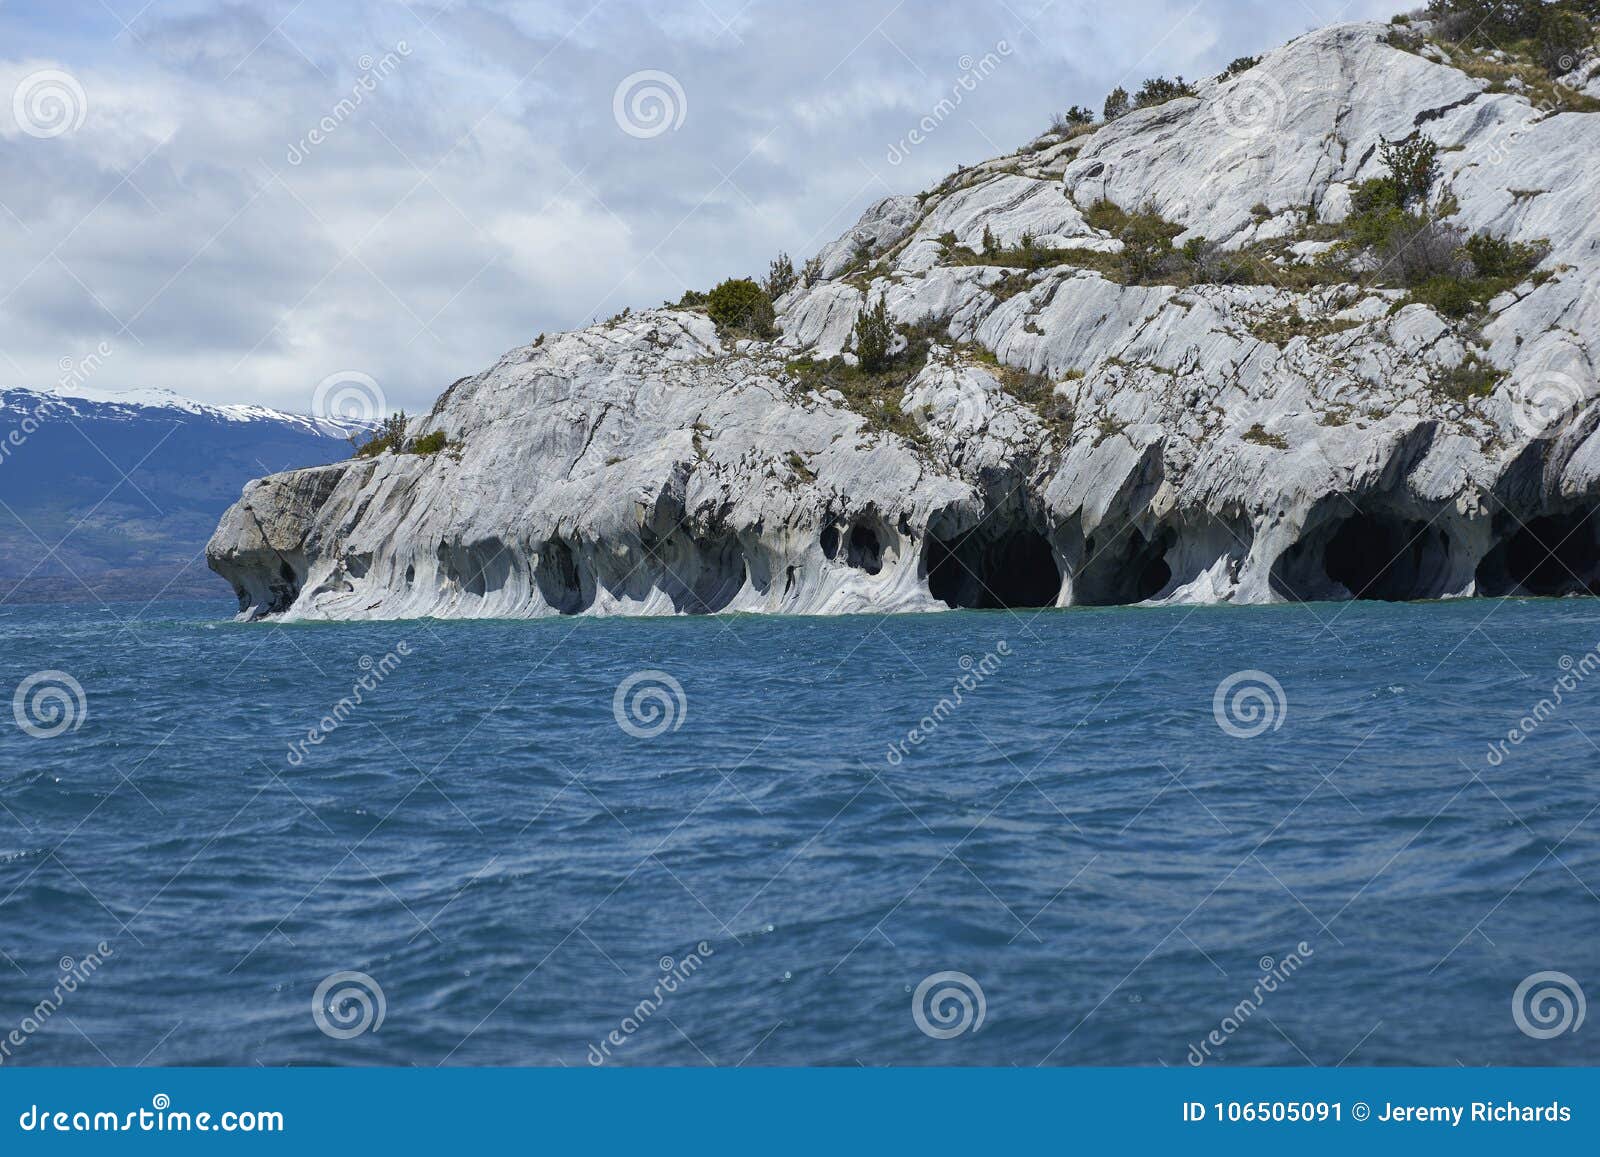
(173, 206)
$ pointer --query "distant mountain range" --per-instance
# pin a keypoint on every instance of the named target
(107, 496)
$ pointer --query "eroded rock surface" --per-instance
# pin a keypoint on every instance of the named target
(1070, 439)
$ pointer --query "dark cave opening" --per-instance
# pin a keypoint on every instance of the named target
(1123, 568)
(1546, 557)
(556, 576)
(864, 551)
(1383, 558)
(1373, 555)
(1013, 569)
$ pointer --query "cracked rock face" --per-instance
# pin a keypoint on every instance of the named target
(1068, 440)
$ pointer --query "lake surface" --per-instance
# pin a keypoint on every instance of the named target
(767, 868)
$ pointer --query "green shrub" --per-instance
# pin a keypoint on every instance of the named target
(811, 272)
(780, 277)
(1473, 378)
(1117, 104)
(390, 435)
(1075, 119)
(1451, 296)
(1106, 216)
(1378, 193)
(1241, 64)
(429, 443)
(1563, 36)
(1496, 257)
(1146, 245)
(1159, 90)
(1496, 21)
(1413, 166)
(874, 338)
(740, 304)
(690, 299)
(391, 438)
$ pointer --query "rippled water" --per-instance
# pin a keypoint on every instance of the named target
(1079, 837)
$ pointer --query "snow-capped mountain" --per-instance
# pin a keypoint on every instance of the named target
(112, 495)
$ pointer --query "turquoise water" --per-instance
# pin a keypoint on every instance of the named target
(809, 837)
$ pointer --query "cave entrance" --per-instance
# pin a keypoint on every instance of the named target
(1013, 569)
(1548, 556)
(1123, 568)
(1371, 555)
(556, 575)
(1383, 558)
(865, 551)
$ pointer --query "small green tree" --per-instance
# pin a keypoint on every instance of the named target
(1117, 104)
(1563, 37)
(741, 304)
(990, 245)
(780, 277)
(1032, 255)
(1146, 245)
(1413, 166)
(874, 338)
(390, 435)
(811, 272)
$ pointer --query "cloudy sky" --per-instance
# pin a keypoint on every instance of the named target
(239, 200)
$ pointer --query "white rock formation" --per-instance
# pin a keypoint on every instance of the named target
(1070, 440)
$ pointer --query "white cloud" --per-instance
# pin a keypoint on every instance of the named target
(481, 191)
